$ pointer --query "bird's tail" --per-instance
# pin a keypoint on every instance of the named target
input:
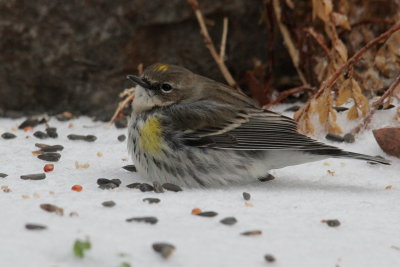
(374, 159)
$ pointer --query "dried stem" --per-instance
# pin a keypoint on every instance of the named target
(223, 39)
(210, 45)
(294, 54)
(320, 42)
(330, 82)
(395, 84)
(283, 95)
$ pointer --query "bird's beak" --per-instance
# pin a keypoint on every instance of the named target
(139, 81)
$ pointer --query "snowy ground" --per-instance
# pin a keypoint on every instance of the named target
(288, 210)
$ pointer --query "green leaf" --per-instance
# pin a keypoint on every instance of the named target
(125, 264)
(80, 247)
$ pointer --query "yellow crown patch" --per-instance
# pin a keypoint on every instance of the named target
(161, 67)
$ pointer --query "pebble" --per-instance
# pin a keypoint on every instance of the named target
(151, 200)
(32, 226)
(50, 156)
(8, 135)
(158, 187)
(131, 168)
(52, 208)
(40, 135)
(331, 223)
(334, 137)
(133, 185)
(349, 138)
(121, 122)
(164, 249)
(254, 232)
(246, 196)
(207, 214)
(229, 221)
(48, 148)
(121, 137)
(38, 176)
(171, 187)
(267, 178)
(52, 132)
(269, 258)
(3, 175)
(146, 187)
(150, 220)
(340, 109)
(108, 204)
(87, 138)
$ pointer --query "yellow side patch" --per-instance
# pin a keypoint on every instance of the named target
(161, 67)
(150, 136)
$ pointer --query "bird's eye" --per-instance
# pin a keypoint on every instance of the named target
(166, 88)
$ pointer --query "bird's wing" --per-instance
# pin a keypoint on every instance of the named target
(246, 129)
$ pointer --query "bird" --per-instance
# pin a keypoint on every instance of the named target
(193, 131)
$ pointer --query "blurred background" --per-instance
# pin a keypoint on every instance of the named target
(74, 55)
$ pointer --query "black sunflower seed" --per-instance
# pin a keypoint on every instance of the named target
(331, 223)
(207, 214)
(253, 232)
(40, 135)
(340, 109)
(165, 249)
(48, 148)
(293, 108)
(52, 132)
(131, 168)
(52, 208)
(171, 187)
(267, 178)
(38, 176)
(32, 226)
(334, 137)
(117, 182)
(150, 220)
(133, 185)
(30, 122)
(121, 137)
(146, 187)
(229, 221)
(121, 122)
(246, 196)
(349, 138)
(3, 175)
(8, 135)
(157, 187)
(269, 258)
(50, 156)
(88, 138)
(108, 204)
(151, 200)
(108, 186)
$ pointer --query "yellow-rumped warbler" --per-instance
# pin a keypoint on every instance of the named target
(190, 130)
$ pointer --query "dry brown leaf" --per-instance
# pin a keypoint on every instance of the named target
(352, 113)
(341, 20)
(322, 9)
(341, 49)
(344, 93)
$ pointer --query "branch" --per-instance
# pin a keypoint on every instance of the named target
(210, 45)
(294, 54)
(395, 84)
(223, 39)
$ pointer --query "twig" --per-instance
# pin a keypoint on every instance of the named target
(330, 82)
(283, 95)
(294, 54)
(223, 39)
(210, 45)
(320, 42)
(130, 95)
(376, 104)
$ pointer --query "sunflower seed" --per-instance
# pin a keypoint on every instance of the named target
(48, 148)
(131, 168)
(133, 185)
(121, 122)
(334, 137)
(331, 223)
(151, 200)
(31, 226)
(253, 232)
(229, 221)
(104, 181)
(108, 186)
(165, 249)
(117, 182)
(30, 122)
(207, 214)
(269, 258)
(52, 208)
(267, 178)
(3, 175)
(40, 135)
(150, 220)
(146, 187)
(121, 137)
(52, 132)
(171, 187)
(292, 108)
(50, 156)
(246, 196)
(157, 187)
(349, 138)
(108, 204)
(8, 135)
(340, 109)
(88, 138)
(39, 176)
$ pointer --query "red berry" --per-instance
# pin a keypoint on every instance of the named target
(48, 167)
(77, 188)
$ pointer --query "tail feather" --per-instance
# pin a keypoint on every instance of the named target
(338, 153)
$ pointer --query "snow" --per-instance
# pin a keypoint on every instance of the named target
(288, 210)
